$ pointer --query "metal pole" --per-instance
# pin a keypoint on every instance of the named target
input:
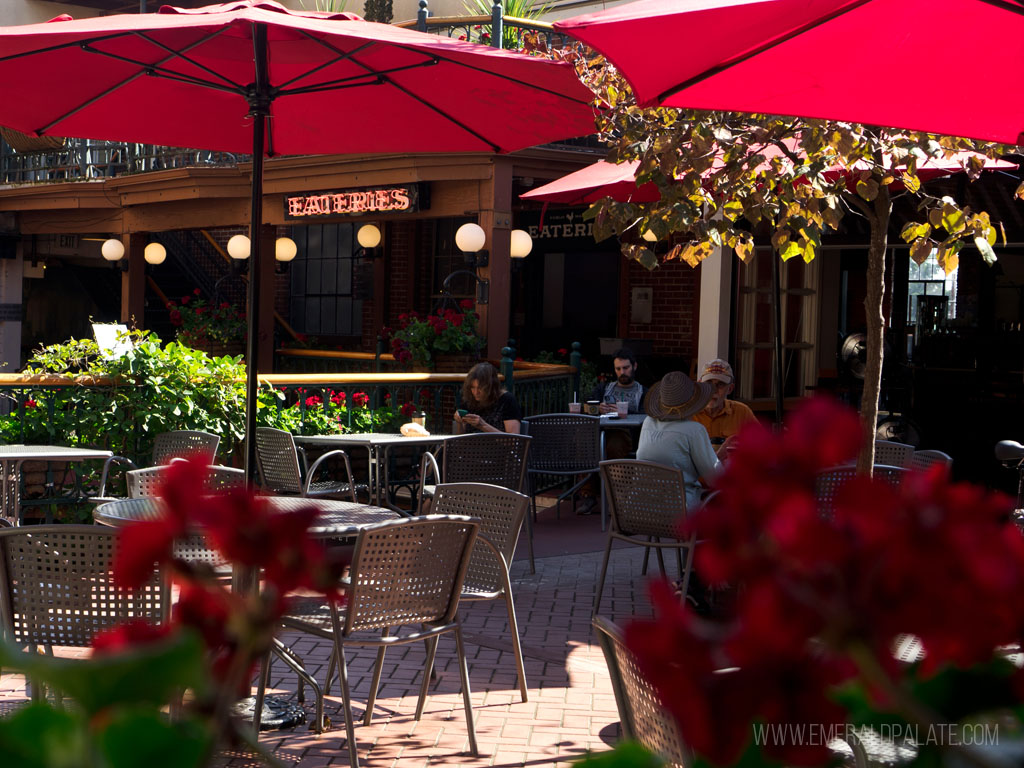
(777, 314)
(259, 105)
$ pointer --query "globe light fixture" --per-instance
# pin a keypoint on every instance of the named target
(238, 247)
(154, 253)
(521, 244)
(368, 236)
(285, 249)
(470, 238)
(112, 249)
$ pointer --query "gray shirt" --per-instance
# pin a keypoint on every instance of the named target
(681, 444)
(633, 394)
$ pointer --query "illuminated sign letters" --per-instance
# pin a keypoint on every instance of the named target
(399, 198)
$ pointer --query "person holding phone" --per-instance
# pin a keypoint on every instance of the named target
(487, 406)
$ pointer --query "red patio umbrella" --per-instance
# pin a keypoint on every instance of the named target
(254, 76)
(855, 60)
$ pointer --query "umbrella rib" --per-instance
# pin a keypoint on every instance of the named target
(155, 70)
(340, 57)
(767, 46)
(347, 82)
(86, 46)
(181, 55)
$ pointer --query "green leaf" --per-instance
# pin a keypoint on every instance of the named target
(150, 673)
(38, 736)
(146, 738)
(921, 250)
(791, 249)
(868, 189)
(732, 210)
(627, 754)
(953, 219)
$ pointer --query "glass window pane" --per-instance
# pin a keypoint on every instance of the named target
(935, 289)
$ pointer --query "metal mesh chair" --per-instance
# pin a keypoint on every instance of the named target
(56, 586)
(922, 460)
(831, 480)
(642, 714)
(176, 444)
(893, 454)
(484, 457)
(647, 503)
(279, 459)
(143, 483)
(404, 573)
(565, 445)
(501, 512)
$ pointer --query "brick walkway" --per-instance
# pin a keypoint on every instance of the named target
(570, 710)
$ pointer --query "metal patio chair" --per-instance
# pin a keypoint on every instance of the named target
(566, 446)
(404, 574)
(831, 480)
(143, 483)
(176, 444)
(484, 457)
(647, 502)
(893, 454)
(56, 587)
(926, 459)
(283, 471)
(501, 512)
(642, 715)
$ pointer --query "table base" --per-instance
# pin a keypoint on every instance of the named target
(277, 712)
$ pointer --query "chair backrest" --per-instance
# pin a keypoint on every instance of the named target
(831, 480)
(486, 457)
(926, 459)
(643, 716)
(644, 498)
(893, 454)
(56, 587)
(183, 444)
(144, 483)
(501, 512)
(409, 572)
(564, 442)
(278, 461)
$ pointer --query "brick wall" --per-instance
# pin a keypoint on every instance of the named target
(673, 326)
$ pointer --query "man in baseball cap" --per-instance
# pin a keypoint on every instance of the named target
(722, 418)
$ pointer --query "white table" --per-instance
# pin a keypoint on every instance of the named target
(13, 456)
(378, 447)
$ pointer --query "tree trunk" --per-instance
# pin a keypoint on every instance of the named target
(879, 219)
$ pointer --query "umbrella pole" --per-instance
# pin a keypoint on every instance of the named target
(259, 106)
(779, 374)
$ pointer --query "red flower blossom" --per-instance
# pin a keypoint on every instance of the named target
(563, 351)
(30, 403)
(407, 409)
(126, 636)
(185, 300)
(467, 304)
(313, 401)
(361, 399)
(197, 292)
(175, 317)
(338, 398)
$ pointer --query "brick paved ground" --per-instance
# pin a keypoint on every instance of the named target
(570, 710)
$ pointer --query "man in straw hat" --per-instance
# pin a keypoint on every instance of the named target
(670, 436)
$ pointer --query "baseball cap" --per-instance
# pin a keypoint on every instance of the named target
(717, 369)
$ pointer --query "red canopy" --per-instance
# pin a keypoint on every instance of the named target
(336, 84)
(943, 66)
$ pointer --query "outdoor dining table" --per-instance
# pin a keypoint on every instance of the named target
(378, 447)
(13, 456)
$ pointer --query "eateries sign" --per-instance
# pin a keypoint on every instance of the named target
(394, 198)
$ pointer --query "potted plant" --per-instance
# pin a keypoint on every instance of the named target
(217, 330)
(444, 341)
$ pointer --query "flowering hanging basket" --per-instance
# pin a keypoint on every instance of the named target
(445, 341)
(217, 330)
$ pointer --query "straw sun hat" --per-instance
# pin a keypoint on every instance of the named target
(677, 397)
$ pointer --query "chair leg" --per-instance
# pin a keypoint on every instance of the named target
(330, 673)
(600, 580)
(460, 650)
(288, 657)
(375, 684)
(530, 517)
(428, 669)
(261, 691)
(346, 693)
(647, 557)
(688, 566)
(679, 562)
(517, 648)
(661, 559)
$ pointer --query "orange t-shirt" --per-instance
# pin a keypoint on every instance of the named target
(726, 423)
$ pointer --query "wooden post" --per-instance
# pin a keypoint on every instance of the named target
(133, 282)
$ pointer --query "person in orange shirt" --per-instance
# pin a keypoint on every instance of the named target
(722, 418)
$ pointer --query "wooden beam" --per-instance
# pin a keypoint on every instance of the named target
(133, 282)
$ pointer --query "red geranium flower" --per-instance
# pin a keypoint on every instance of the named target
(126, 636)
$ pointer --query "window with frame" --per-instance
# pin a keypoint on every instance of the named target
(930, 279)
(322, 300)
(448, 259)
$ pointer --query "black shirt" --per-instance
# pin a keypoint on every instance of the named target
(505, 408)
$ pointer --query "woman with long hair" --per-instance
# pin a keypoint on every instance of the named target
(487, 406)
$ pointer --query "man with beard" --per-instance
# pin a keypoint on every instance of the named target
(618, 442)
(623, 387)
(722, 418)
